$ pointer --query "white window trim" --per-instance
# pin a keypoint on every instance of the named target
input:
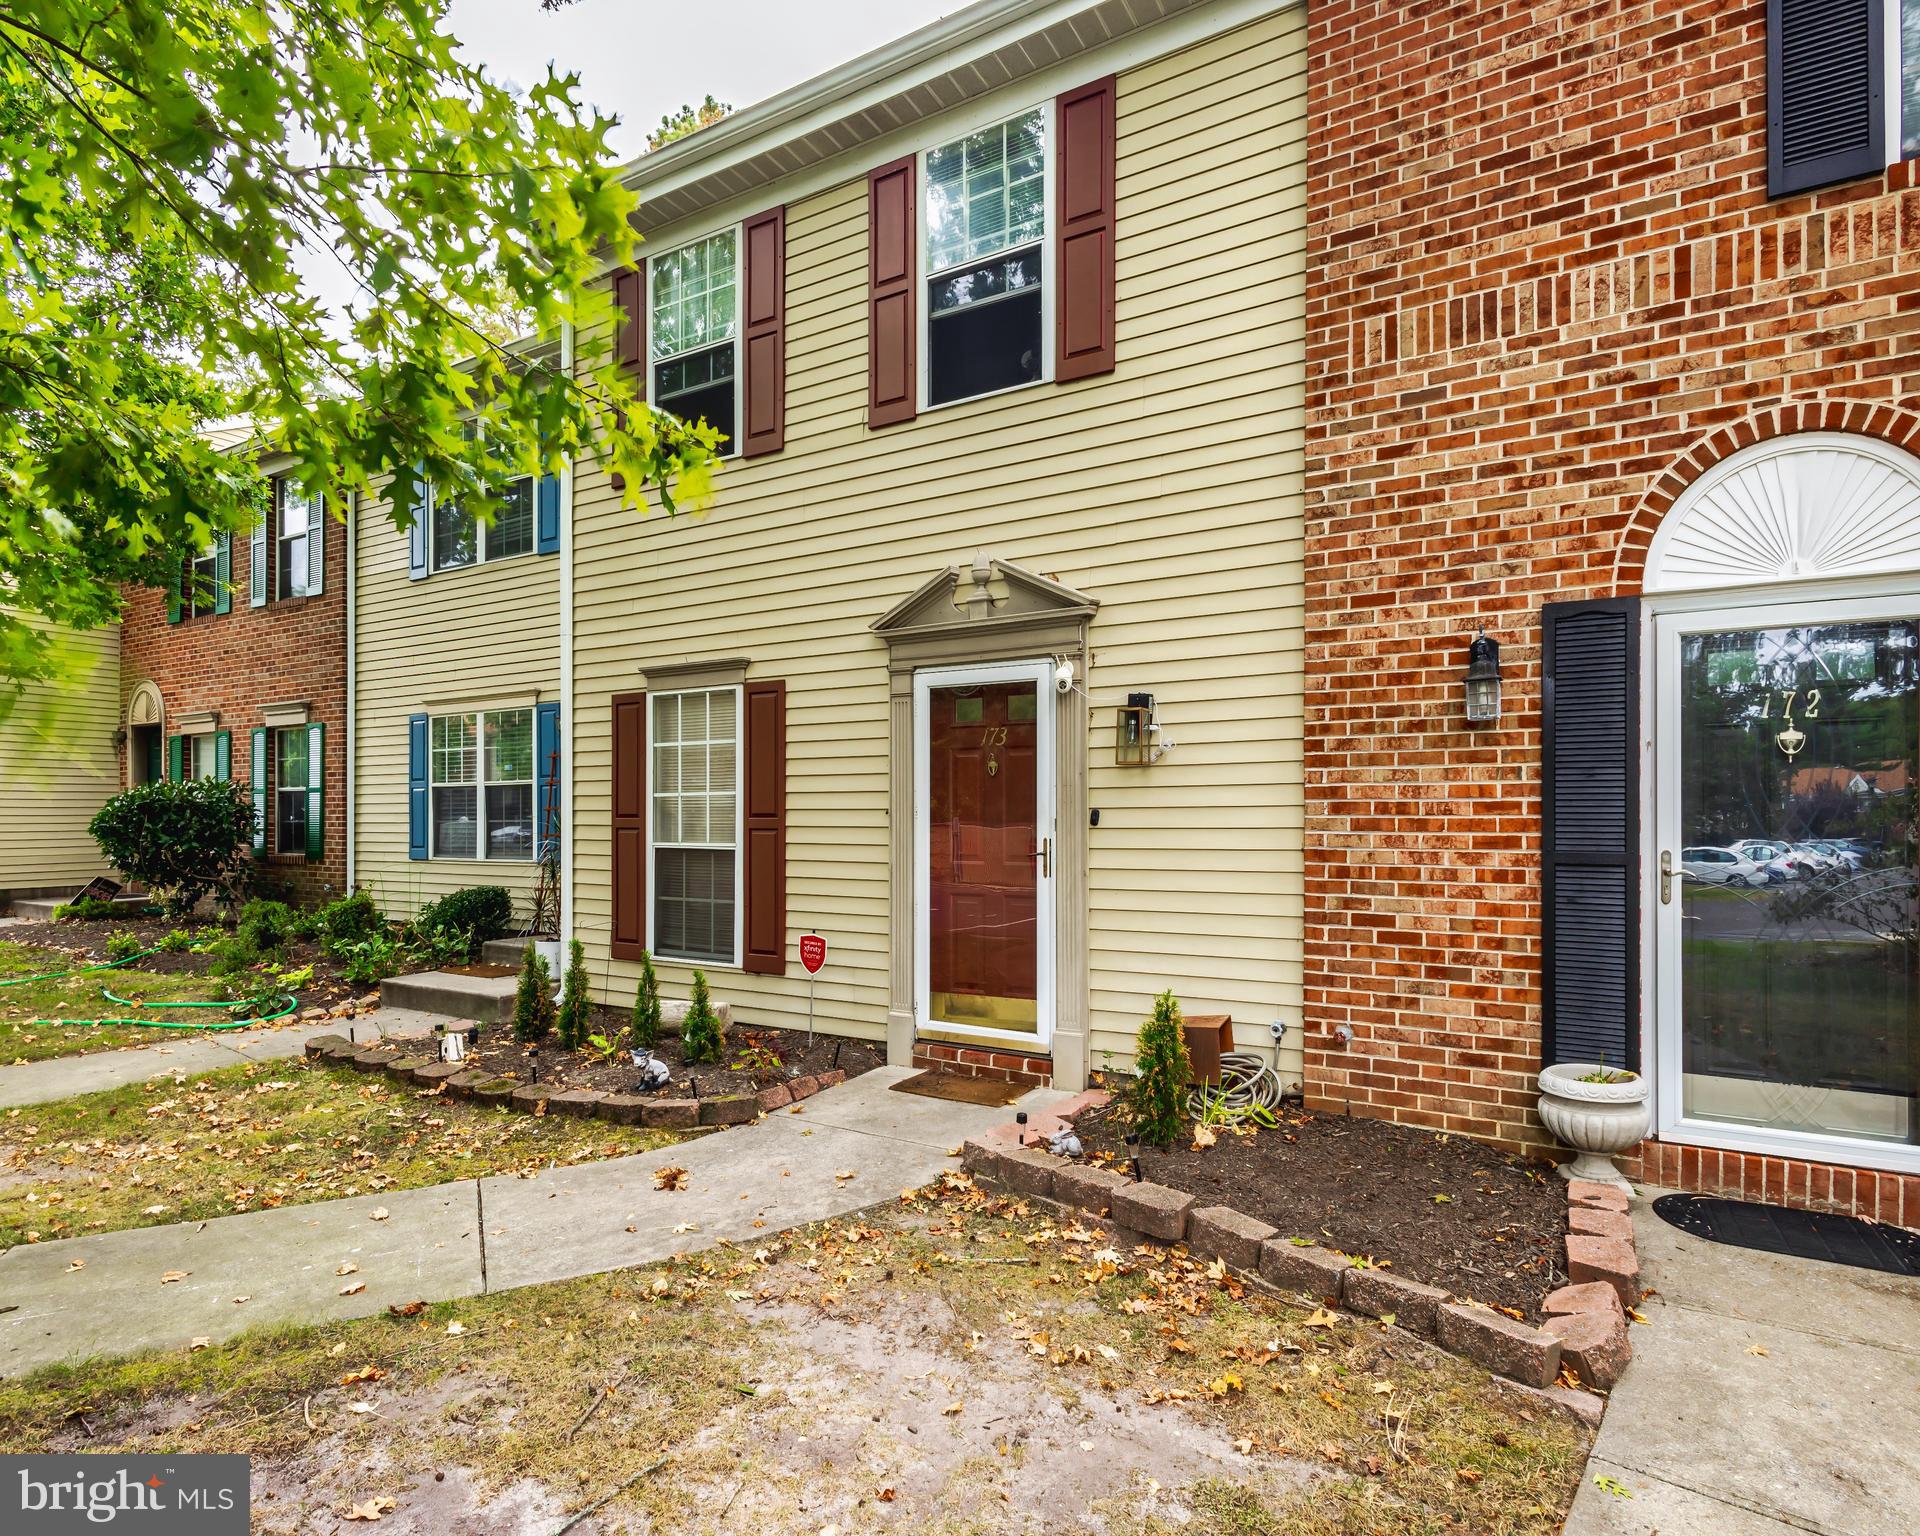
(479, 785)
(189, 743)
(1049, 279)
(190, 600)
(739, 231)
(482, 534)
(281, 787)
(738, 693)
(1893, 98)
(277, 537)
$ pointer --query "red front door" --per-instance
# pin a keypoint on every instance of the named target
(982, 846)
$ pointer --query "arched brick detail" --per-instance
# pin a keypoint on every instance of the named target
(1894, 424)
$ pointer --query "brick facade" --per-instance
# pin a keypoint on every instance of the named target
(1546, 288)
(236, 664)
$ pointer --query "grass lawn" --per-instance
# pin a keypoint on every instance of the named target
(267, 1134)
(953, 1364)
(79, 997)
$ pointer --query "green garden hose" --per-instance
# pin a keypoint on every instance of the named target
(288, 1001)
(80, 970)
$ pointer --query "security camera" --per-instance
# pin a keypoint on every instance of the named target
(1063, 678)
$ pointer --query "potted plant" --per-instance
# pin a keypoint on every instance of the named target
(1597, 1110)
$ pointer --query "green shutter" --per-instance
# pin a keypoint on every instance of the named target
(316, 789)
(173, 597)
(175, 771)
(223, 756)
(223, 574)
(258, 770)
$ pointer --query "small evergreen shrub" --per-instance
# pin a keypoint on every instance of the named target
(701, 1039)
(646, 1006)
(266, 927)
(478, 914)
(1160, 1086)
(576, 1005)
(349, 920)
(533, 1012)
(122, 946)
(173, 943)
(88, 909)
(182, 841)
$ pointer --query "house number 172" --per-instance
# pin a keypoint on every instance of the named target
(1787, 696)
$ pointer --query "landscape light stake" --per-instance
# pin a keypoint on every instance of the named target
(1133, 1155)
(1020, 1119)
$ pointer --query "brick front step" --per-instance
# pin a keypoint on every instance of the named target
(1024, 1067)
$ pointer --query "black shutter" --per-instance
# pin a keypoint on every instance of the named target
(1826, 73)
(1590, 832)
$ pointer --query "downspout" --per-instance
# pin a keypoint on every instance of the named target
(353, 530)
(566, 663)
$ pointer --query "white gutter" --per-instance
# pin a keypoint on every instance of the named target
(353, 529)
(566, 663)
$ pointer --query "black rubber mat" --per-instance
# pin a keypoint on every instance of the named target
(1801, 1234)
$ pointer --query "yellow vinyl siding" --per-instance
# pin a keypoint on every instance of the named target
(1171, 490)
(58, 764)
(485, 636)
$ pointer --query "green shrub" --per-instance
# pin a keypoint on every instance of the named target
(367, 961)
(701, 1038)
(88, 909)
(432, 948)
(533, 1013)
(576, 1003)
(123, 945)
(173, 943)
(232, 955)
(481, 913)
(646, 1006)
(1160, 1088)
(348, 921)
(182, 841)
(266, 927)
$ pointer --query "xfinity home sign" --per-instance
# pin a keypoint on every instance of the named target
(127, 1495)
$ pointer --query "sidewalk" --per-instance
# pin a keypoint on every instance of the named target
(1769, 1396)
(477, 1236)
(62, 1077)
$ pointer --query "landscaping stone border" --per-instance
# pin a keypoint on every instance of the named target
(1585, 1327)
(662, 1114)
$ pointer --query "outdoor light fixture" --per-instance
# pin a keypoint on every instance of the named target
(1137, 737)
(1133, 1155)
(1483, 680)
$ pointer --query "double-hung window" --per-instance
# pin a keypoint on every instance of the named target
(482, 778)
(203, 756)
(985, 202)
(460, 538)
(297, 545)
(694, 798)
(291, 781)
(203, 581)
(693, 329)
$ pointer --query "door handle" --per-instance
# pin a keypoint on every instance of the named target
(1044, 853)
(1666, 876)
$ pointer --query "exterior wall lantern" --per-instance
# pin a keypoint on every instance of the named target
(1137, 738)
(1483, 680)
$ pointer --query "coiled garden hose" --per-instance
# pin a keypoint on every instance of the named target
(287, 1001)
(1246, 1083)
(81, 970)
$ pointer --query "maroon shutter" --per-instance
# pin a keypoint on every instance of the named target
(765, 948)
(893, 385)
(629, 825)
(630, 307)
(1083, 308)
(765, 330)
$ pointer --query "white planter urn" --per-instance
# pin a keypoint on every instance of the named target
(1598, 1119)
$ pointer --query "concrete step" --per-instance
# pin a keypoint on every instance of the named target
(40, 908)
(513, 951)
(489, 999)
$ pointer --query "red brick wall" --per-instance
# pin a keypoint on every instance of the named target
(1545, 286)
(238, 663)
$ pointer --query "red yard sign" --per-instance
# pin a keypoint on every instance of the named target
(813, 953)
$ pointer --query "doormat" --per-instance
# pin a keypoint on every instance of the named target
(961, 1090)
(484, 969)
(1800, 1234)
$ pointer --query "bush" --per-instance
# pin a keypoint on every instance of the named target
(646, 1006)
(266, 927)
(533, 1014)
(366, 961)
(701, 1038)
(432, 948)
(122, 946)
(476, 915)
(576, 1005)
(349, 920)
(172, 943)
(88, 909)
(182, 841)
(1160, 1089)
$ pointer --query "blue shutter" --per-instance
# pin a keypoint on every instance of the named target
(416, 786)
(416, 493)
(546, 537)
(546, 775)
(1826, 73)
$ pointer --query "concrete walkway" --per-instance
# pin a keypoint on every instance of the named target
(1768, 1396)
(62, 1077)
(480, 1235)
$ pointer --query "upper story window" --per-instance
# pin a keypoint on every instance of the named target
(1843, 90)
(693, 328)
(298, 552)
(205, 581)
(460, 538)
(985, 202)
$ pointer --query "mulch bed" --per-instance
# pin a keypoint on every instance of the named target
(86, 941)
(744, 1069)
(1370, 1187)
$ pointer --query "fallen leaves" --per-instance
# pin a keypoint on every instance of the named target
(406, 1308)
(670, 1178)
(174, 1276)
(376, 1508)
(353, 1288)
(379, 1213)
(348, 1267)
